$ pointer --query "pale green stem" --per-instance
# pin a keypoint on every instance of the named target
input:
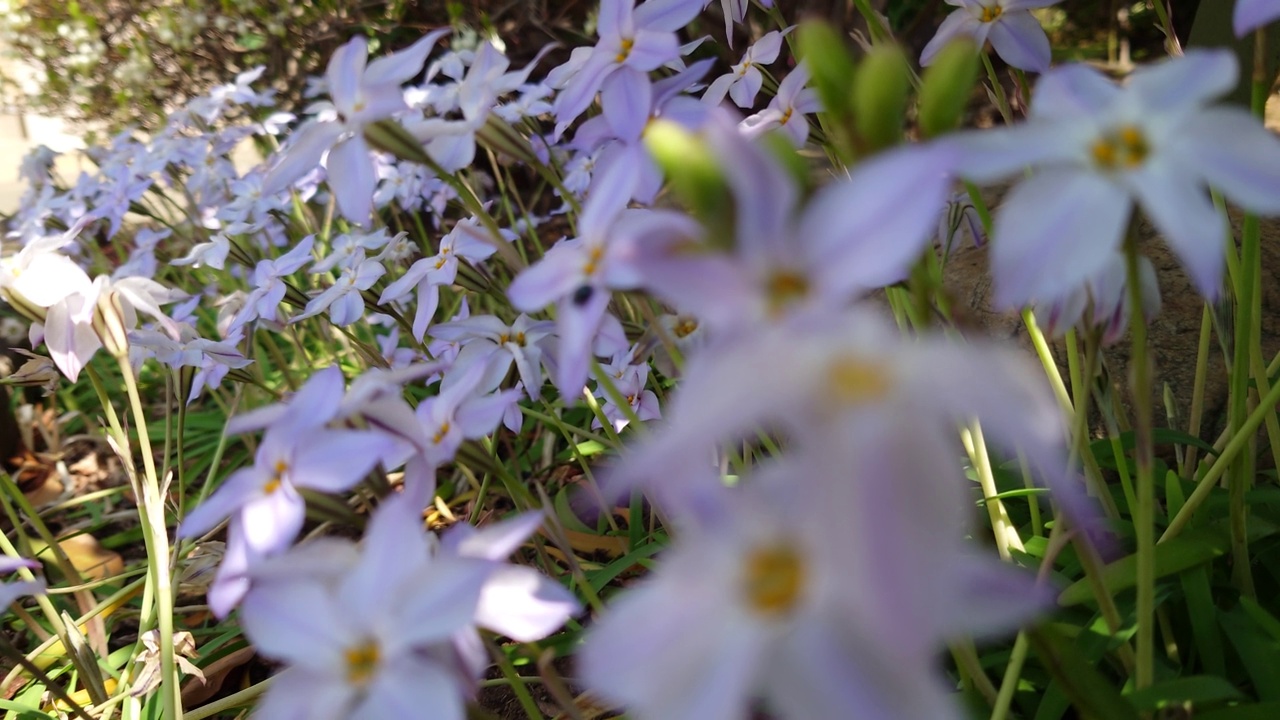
(1006, 533)
(1012, 671)
(1197, 390)
(1144, 513)
(156, 537)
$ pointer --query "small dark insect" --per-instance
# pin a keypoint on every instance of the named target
(582, 295)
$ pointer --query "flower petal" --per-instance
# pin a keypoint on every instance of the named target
(1053, 232)
(1018, 38)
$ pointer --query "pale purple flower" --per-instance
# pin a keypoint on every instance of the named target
(296, 452)
(469, 241)
(579, 274)
(855, 235)
(461, 411)
(819, 378)
(366, 633)
(787, 109)
(633, 41)
(1253, 14)
(1106, 295)
(486, 340)
(269, 287)
(1098, 148)
(517, 602)
(812, 588)
(1013, 31)
(344, 300)
(361, 95)
(743, 81)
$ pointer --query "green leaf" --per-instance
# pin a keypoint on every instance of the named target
(1259, 652)
(1197, 690)
(1262, 711)
(1182, 553)
(1203, 615)
(1093, 695)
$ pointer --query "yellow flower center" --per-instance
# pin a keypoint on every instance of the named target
(784, 289)
(625, 50)
(362, 662)
(686, 327)
(991, 14)
(853, 380)
(1124, 149)
(273, 484)
(773, 579)
(439, 436)
(593, 261)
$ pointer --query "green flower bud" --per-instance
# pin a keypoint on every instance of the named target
(880, 91)
(694, 176)
(947, 86)
(832, 66)
(390, 136)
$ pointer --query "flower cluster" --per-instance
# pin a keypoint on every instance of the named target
(723, 335)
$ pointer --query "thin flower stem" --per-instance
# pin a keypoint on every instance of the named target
(1006, 533)
(1197, 390)
(1012, 671)
(1045, 354)
(517, 688)
(155, 536)
(1081, 381)
(1144, 512)
(965, 653)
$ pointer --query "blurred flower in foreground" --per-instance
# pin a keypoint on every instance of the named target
(1013, 31)
(813, 587)
(825, 381)
(1099, 147)
(1253, 14)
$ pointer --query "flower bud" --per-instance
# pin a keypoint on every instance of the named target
(881, 87)
(828, 58)
(695, 177)
(947, 86)
(109, 322)
(390, 136)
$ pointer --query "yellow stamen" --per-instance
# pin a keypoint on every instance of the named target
(685, 328)
(1124, 149)
(278, 471)
(439, 436)
(362, 662)
(773, 579)
(625, 51)
(991, 14)
(593, 261)
(854, 380)
(784, 289)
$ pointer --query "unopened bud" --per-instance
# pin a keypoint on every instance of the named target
(695, 177)
(947, 86)
(880, 91)
(109, 323)
(390, 136)
(831, 65)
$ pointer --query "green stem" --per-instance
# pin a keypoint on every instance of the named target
(1144, 513)
(156, 538)
(1012, 672)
